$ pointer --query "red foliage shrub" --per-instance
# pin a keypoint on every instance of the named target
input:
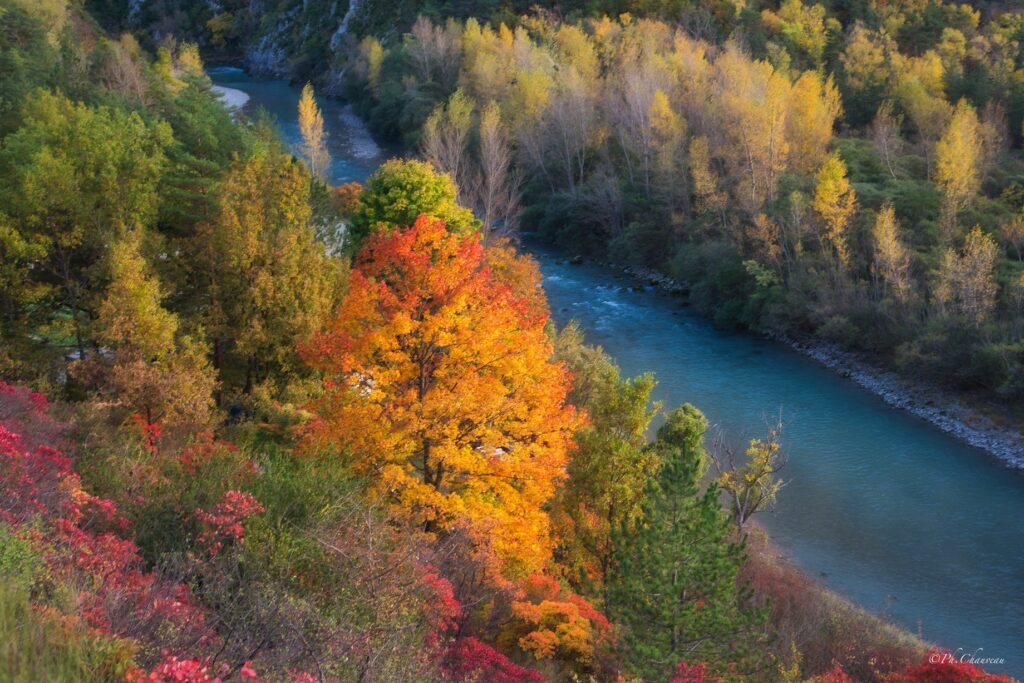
(469, 659)
(26, 413)
(945, 667)
(836, 675)
(204, 450)
(224, 524)
(150, 432)
(76, 533)
(685, 673)
(823, 628)
(174, 670)
(441, 610)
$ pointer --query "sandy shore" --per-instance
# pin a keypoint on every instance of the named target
(232, 99)
(940, 407)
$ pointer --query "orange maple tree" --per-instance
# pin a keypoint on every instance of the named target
(442, 390)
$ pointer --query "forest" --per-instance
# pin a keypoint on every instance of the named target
(856, 180)
(256, 427)
(808, 170)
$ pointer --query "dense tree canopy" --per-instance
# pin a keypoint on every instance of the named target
(441, 388)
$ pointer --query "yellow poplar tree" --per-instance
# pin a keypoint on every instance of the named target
(958, 156)
(708, 198)
(966, 286)
(813, 107)
(892, 260)
(668, 132)
(836, 202)
(314, 138)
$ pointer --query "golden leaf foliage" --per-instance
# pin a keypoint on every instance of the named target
(442, 391)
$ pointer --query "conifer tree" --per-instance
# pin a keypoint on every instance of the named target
(674, 586)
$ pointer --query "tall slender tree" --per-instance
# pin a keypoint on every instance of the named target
(314, 137)
(835, 202)
(891, 256)
(958, 157)
(498, 183)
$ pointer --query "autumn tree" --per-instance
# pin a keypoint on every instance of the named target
(866, 70)
(708, 198)
(572, 125)
(801, 29)
(314, 138)
(529, 104)
(674, 587)
(885, 135)
(835, 202)
(435, 51)
(958, 164)
(371, 59)
(753, 101)
(445, 142)
(966, 286)
(814, 106)
(442, 391)
(1012, 232)
(919, 89)
(151, 368)
(498, 182)
(668, 138)
(751, 484)
(891, 256)
(636, 100)
(549, 622)
(519, 272)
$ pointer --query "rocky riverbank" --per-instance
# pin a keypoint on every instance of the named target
(931, 403)
(941, 408)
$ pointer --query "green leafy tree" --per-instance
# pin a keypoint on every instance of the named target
(399, 192)
(612, 464)
(74, 179)
(673, 588)
(268, 281)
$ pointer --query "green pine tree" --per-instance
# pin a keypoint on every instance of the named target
(674, 586)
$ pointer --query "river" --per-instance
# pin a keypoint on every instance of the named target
(883, 508)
